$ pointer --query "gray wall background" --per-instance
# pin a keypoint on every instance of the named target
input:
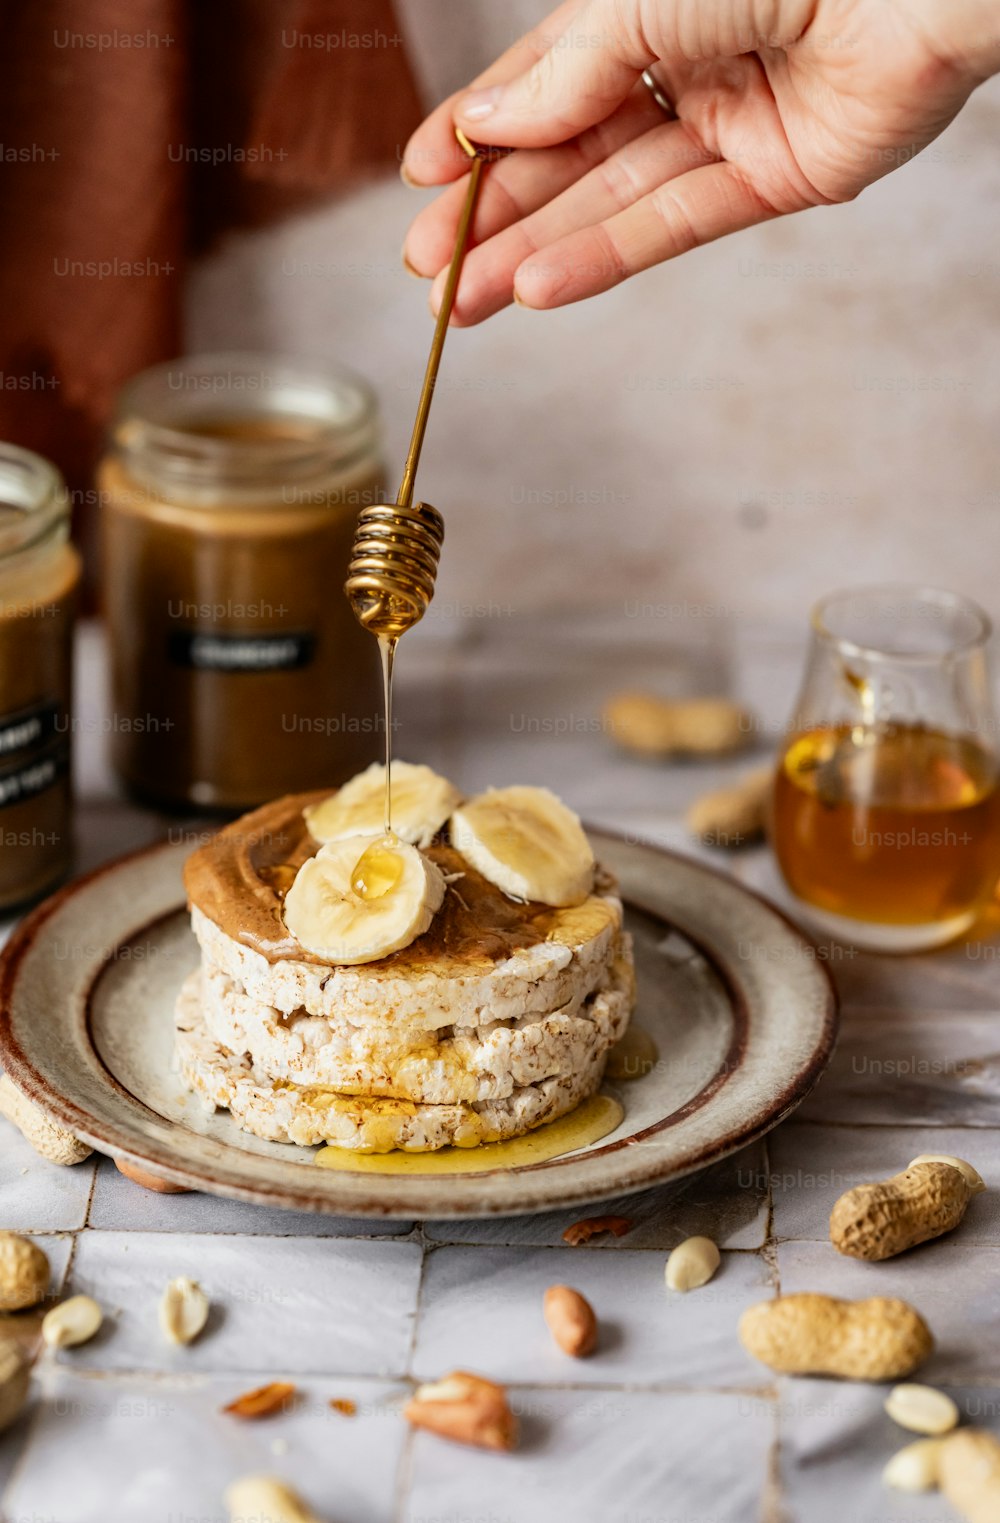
(800, 406)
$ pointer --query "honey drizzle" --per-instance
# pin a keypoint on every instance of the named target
(377, 871)
(592, 1120)
(633, 1056)
(380, 867)
(387, 652)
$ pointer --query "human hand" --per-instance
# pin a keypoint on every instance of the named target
(780, 105)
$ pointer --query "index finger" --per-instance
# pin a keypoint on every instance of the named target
(433, 156)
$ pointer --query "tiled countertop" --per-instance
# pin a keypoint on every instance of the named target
(670, 1422)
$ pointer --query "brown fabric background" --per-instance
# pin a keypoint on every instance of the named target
(107, 184)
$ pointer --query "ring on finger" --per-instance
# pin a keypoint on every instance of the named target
(656, 90)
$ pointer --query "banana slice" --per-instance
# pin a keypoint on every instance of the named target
(421, 802)
(361, 898)
(528, 843)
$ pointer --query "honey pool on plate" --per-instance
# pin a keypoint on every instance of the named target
(593, 1119)
(899, 825)
(632, 1058)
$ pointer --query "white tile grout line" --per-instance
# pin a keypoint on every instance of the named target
(772, 1499)
(91, 1192)
(773, 1509)
(202, 1378)
(417, 1302)
(404, 1474)
(404, 1469)
(431, 1245)
(213, 1234)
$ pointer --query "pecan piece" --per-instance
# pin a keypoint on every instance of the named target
(593, 1226)
(264, 1401)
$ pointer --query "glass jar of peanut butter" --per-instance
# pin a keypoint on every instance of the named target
(39, 577)
(229, 498)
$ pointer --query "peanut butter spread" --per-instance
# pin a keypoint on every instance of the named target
(239, 879)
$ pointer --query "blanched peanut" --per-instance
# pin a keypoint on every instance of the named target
(922, 1409)
(915, 1468)
(184, 1310)
(71, 1322)
(263, 1499)
(692, 1264)
(571, 1320)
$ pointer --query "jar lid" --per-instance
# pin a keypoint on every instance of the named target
(34, 502)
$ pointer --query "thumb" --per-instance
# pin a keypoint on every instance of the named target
(585, 72)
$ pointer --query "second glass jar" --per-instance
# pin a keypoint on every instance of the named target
(39, 578)
(229, 497)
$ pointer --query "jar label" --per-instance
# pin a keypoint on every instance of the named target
(29, 778)
(279, 652)
(27, 729)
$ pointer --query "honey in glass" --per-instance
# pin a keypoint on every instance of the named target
(886, 809)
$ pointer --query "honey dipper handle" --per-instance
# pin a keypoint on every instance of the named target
(404, 497)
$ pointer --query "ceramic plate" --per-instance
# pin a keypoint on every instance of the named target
(742, 1013)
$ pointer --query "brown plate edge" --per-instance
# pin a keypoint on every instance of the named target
(109, 1140)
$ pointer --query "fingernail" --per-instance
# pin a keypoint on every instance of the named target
(408, 267)
(406, 177)
(479, 103)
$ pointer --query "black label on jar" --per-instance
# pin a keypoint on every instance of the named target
(27, 729)
(279, 652)
(29, 778)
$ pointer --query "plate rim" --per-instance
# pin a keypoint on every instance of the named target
(106, 1137)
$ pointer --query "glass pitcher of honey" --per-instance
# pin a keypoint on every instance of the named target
(886, 819)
